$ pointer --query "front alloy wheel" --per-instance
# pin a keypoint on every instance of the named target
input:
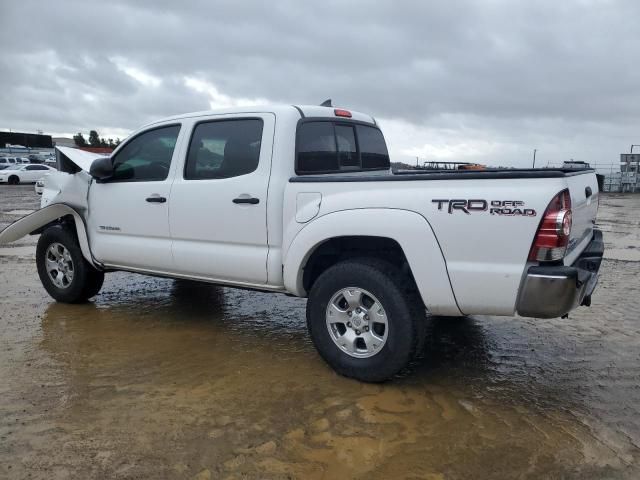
(62, 269)
(59, 265)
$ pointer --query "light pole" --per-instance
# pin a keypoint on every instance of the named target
(534, 157)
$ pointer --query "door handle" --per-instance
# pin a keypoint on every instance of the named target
(156, 199)
(250, 200)
(588, 192)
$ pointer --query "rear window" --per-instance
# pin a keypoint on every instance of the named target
(331, 147)
(373, 150)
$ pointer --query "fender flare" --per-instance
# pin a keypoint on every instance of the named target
(40, 218)
(410, 230)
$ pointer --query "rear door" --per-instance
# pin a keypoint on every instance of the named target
(129, 214)
(218, 211)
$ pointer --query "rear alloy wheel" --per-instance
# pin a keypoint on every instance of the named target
(357, 322)
(366, 319)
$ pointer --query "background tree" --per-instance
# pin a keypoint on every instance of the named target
(94, 138)
(79, 140)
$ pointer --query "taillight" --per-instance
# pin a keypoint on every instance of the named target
(553, 233)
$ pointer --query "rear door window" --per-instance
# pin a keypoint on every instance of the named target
(224, 149)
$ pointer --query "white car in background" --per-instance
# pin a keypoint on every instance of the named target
(7, 161)
(22, 173)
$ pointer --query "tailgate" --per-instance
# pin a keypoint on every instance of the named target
(583, 188)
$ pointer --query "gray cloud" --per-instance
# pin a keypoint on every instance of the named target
(487, 81)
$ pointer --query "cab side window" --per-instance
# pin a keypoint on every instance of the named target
(147, 157)
(224, 149)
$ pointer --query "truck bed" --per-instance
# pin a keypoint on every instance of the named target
(416, 175)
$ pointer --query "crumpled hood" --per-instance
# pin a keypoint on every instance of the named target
(77, 157)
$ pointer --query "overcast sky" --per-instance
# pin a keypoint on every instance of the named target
(484, 81)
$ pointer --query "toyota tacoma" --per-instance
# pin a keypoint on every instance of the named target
(301, 200)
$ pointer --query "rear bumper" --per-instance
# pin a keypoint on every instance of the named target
(553, 291)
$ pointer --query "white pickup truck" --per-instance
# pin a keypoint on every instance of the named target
(301, 200)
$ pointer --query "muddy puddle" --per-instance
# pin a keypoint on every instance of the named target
(171, 379)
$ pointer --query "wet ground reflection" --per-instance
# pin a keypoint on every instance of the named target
(228, 380)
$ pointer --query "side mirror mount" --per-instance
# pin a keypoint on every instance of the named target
(101, 169)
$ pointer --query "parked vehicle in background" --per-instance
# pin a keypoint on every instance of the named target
(7, 161)
(23, 173)
(2, 167)
(301, 200)
(22, 160)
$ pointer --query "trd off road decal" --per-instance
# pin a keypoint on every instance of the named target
(494, 207)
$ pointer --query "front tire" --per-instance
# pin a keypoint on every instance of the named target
(62, 269)
(366, 319)
(13, 180)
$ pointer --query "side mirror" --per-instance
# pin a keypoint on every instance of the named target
(101, 168)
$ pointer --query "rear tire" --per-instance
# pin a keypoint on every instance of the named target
(63, 270)
(374, 333)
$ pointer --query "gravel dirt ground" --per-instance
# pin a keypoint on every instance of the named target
(168, 379)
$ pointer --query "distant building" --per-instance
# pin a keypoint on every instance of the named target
(628, 178)
(64, 142)
(576, 165)
(27, 140)
(629, 162)
(105, 150)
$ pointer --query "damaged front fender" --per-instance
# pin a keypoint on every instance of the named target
(43, 217)
(65, 194)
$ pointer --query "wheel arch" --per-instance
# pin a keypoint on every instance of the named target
(38, 221)
(411, 239)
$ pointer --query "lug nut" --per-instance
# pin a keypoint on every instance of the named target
(366, 329)
(349, 313)
(357, 332)
(349, 324)
(366, 317)
(358, 310)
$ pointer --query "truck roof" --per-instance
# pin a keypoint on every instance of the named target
(277, 109)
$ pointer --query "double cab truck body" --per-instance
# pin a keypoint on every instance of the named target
(301, 200)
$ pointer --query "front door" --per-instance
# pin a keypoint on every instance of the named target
(218, 213)
(129, 213)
